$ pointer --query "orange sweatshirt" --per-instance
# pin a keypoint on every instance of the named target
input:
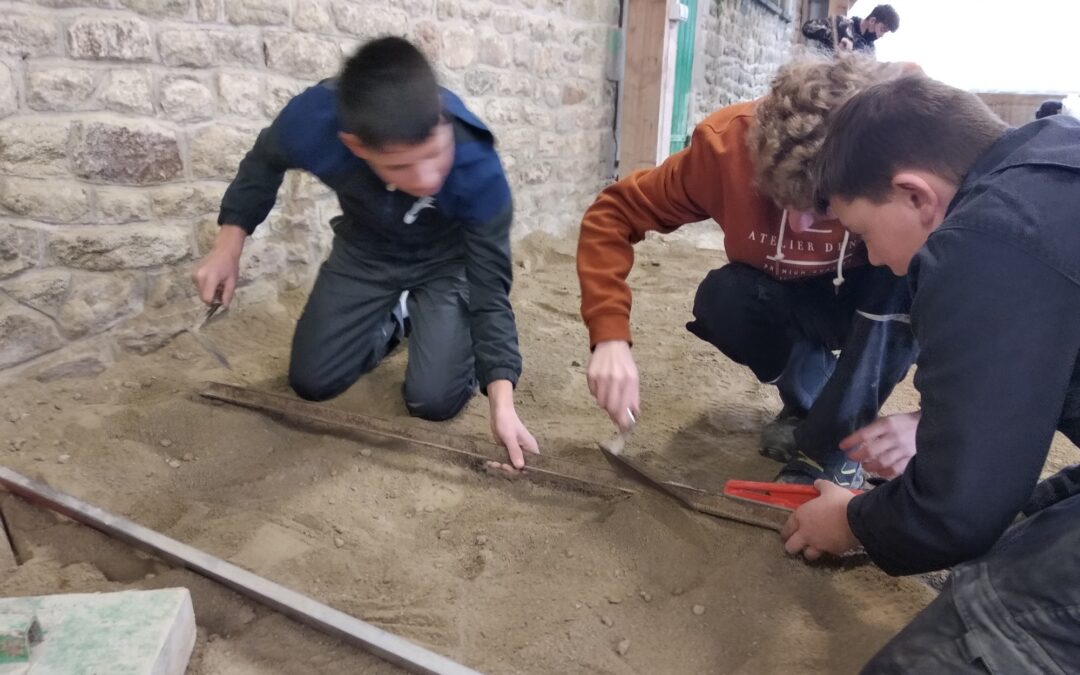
(712, 178)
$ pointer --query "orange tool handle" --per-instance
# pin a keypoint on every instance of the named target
(788, 496)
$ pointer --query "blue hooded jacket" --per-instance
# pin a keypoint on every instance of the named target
(470, 217)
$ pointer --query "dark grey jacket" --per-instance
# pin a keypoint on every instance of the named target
(996, 313)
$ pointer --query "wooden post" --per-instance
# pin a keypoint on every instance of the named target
(839, 7)
(648, 83)
(8, 560)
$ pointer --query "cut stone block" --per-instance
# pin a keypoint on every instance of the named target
(125, 633)
(18, 634)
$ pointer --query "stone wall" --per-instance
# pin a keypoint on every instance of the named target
(1017, 109)
(122, 121)
(740, 45)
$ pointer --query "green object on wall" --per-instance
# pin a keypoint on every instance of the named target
(684, 74)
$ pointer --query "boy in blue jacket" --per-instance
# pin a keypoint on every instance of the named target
(422, 247)
(984, 221)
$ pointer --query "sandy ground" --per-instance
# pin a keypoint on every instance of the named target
(504, 576)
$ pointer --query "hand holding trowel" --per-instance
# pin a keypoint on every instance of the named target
(630, 470)
(196, 332)
(745, 506)
(216, 277)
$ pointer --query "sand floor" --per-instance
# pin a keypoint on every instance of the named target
(504, 576)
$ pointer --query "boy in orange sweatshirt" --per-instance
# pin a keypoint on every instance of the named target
(796, 289)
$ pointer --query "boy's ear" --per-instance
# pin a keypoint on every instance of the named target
(917, 193)
(352, 142)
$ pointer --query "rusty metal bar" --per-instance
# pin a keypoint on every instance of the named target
(306, 610)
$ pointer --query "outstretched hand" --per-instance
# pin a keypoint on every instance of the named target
(511, 433)
(507, 428)
(885, 446)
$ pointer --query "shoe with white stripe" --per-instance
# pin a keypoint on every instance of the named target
(805, 470)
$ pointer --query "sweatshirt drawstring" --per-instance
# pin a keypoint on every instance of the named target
(779, 255)
(839, 280)
(780, 240)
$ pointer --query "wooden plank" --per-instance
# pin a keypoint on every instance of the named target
(8, 559)
(720, 506)
(647, 87)
(396, 650)
(563, 471)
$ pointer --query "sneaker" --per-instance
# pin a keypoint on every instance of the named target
(778, 436)
(842, 471)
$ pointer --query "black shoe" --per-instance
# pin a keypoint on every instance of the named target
(841, 470)
(778, 436)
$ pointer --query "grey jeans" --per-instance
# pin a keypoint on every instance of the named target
(1016, 609)
(351, 322)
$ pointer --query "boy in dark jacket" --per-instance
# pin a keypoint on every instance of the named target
(983, 220)
(423, 242)
(839, 33)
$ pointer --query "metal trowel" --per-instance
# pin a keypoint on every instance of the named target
(196, 332)
(630, 470)
(721, 506)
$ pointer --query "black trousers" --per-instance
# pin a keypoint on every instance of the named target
(351, 321)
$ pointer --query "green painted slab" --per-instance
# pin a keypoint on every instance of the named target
(124, 633)
(18, 633)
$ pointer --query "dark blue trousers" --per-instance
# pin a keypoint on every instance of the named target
(786, 333)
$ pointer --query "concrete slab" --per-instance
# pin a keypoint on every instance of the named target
(18, 634)
(124, 633)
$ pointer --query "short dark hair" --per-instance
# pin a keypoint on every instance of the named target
(887, 15)
(388, 93)
(1048, 108)
(912, 122)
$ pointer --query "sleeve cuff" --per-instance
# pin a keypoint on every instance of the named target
(236, 218)
(501, 373)
(609, 327)
(856, 515)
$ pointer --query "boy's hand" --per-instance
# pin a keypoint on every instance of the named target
(220, 268)
(507, 428)
(613, 381)
(820, 525)
(884, 446)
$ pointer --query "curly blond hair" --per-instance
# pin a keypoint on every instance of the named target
(789, 123)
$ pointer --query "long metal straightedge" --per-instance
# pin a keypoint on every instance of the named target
(310, 612)
(562, 471)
